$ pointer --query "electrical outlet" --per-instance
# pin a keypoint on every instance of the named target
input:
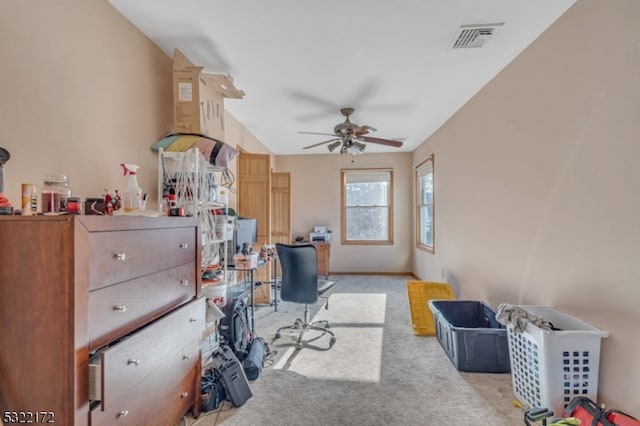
(443, 273)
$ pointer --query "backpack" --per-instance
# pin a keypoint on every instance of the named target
(235, 328)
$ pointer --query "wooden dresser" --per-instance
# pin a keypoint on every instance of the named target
(111, 304)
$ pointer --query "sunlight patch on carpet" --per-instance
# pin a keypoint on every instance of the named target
(358, 323)
(354, 308)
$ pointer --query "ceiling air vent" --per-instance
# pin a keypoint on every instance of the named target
(474, 35)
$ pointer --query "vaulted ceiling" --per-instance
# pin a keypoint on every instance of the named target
(300, 62)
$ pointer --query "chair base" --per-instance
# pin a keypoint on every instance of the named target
(304, 325)
(304, 328)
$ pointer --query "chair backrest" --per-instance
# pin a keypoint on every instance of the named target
(299, 272)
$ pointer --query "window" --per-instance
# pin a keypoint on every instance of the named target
(424, 211)
(367, 206)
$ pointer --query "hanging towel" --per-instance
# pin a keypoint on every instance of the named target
(517, 317)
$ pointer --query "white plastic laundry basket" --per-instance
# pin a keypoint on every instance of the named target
(550, 368)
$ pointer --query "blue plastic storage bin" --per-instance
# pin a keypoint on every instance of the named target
(470, 336)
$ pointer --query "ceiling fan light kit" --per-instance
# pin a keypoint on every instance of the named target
(332, 146)
(350, 137)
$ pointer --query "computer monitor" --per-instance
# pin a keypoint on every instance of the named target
(246, 232)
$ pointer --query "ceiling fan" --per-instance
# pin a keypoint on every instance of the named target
(350, 136)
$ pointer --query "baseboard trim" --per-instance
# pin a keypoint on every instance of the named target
(410, 274)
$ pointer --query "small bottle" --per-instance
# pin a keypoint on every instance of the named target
(73, 205)
(55, 194)
(29, 199)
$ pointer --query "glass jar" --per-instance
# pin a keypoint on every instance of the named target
(55, 193)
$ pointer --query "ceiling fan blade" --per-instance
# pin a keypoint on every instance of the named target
(321, 143)
(311, 98)
(316, 133)
(381, 141)
(364, 129)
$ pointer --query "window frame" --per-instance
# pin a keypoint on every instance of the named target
(424, 168)
(343, 207)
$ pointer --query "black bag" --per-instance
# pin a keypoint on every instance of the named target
(254, 362)
(228, 368)
(212, 385)
(235, 327)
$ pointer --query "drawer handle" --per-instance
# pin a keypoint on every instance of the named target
(184, 245)
(133, 361)
(123, 413)
(184, 282)
(120, 308)
(185, 357)
(120, 256)
(193, 320)
(184, 395)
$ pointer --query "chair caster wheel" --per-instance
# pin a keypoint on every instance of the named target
(277, 336)
(332, 341)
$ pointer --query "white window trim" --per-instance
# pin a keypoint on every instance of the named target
(423, 169)
(343, 209)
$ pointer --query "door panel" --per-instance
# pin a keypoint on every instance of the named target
(280, 208)
(254, 197)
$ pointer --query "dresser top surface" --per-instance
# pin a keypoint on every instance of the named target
(110, 222)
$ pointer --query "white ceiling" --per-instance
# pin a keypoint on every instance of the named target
(299, 61)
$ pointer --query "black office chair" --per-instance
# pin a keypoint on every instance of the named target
(300, 284)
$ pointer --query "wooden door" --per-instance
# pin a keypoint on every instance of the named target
(281, 208)
(254, 197)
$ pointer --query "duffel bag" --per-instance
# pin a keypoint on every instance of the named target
(590, 414)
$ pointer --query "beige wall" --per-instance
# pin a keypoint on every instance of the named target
(82, 91)
(537, 183)
(315, 200)
(242, 139)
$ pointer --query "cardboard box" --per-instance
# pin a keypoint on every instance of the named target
(198, 98)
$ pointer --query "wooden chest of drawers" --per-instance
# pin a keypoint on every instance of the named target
(119, 293)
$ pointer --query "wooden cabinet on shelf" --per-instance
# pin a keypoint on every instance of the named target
(100, 318)
(324, 252)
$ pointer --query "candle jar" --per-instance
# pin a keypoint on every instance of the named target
(55, 194)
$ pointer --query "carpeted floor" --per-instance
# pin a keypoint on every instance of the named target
(377, 373)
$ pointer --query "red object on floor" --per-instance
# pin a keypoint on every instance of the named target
(585, 410)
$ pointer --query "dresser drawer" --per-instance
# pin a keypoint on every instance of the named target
(161, 403)
(161, 352)
(118, 256)
(116, 310)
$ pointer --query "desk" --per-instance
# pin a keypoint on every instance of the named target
(324, 253)
(261, 264)
(323, 249)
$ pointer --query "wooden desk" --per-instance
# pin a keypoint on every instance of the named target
(324, 252)
(252, 284)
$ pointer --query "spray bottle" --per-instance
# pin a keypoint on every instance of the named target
(132, 195)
